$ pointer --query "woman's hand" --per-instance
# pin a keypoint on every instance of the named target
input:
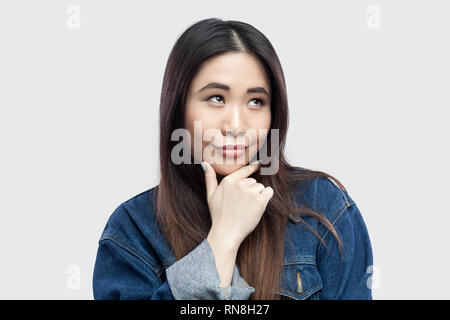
(236, 205)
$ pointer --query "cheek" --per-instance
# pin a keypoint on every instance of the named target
(197, 121)
(262, 124)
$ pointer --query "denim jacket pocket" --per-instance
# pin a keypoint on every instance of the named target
(301, 280)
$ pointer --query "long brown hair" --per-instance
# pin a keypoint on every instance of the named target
(182, 209)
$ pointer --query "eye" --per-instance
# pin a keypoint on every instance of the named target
(214, 97)
(257, 100)
(260, 101)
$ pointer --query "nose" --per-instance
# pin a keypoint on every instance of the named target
(233, 122)
(234, 131)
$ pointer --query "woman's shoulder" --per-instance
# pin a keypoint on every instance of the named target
(135, 209)
(133, 221)
(133, 229)
(324, 195)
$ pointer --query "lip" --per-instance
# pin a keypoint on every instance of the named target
(232, 150)
(233, 146)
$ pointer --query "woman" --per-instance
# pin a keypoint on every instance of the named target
(217, 226)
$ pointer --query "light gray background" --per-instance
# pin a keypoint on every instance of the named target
(79, 125)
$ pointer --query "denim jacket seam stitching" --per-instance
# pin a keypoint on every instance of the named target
(338, 213)
(129, 248)
(290, 263)
(300, 259)
(167, 263)
(117, 241)
(304, 292)
(347, 201)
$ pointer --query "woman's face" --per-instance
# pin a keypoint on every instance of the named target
(231, 107)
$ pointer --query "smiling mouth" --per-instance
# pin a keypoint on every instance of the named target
(233, 147)
(232, 150)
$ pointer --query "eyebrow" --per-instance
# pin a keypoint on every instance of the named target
(227, 88)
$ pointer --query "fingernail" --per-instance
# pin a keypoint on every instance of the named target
(256, 162)
(203, 166)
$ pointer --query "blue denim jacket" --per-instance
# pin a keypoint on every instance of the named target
(135, 262)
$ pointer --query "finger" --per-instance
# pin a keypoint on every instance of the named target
(244, 172)
(248, 181)
(259, 187)
(267, 194)
(210, 180)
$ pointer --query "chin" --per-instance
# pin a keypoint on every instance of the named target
(226, 169)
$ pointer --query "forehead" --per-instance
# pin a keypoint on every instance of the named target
(236, 69)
